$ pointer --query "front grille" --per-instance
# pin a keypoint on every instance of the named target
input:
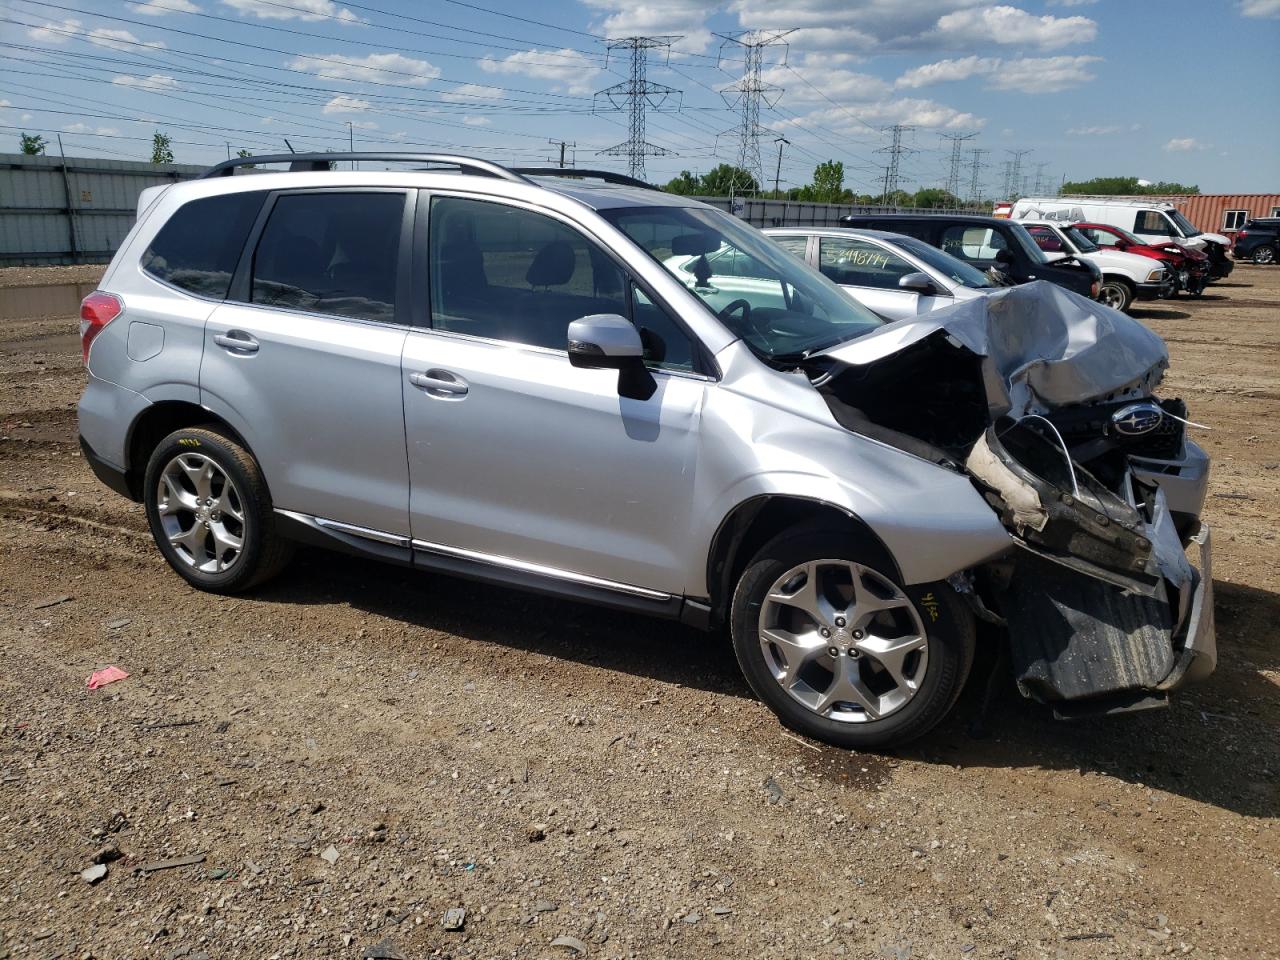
(1085, 425)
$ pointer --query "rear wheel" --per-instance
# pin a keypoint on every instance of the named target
(1116, 293)
(210, 512)
(1264, 255)
(839, 650)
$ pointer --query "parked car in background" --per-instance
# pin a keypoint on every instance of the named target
(1152, 220)
(1126, 277)
(1189, 268)
(987, 243)
(894, 275)
(1259, 241)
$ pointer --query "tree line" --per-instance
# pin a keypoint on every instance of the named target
(827, 187)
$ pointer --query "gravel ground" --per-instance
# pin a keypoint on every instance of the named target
(342, 757)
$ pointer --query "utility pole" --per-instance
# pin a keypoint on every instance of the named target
(896, 152)
(975, 172)
(1015, 174)
(638, 93)
(747, 94)
(351, 141)
(953, 175)
(562, 145)
(777, 174)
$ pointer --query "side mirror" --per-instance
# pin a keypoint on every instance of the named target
(607, 341)
(918, 283)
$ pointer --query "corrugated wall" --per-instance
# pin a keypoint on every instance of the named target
(77, 213)
(1206, 211)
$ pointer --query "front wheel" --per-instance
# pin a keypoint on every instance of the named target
(840, 651)
(210, 512)
(1264, 255)
(1116, 293)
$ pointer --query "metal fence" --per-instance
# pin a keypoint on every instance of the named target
(72, 211)
(79, 211)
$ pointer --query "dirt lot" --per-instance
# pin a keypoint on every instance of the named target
(561, 771)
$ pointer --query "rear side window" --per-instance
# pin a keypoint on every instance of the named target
(333, 253)
(197, 249)
(860, 263)
(973, 243)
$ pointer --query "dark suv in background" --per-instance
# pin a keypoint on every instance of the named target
(1258, 240)
(986, 243)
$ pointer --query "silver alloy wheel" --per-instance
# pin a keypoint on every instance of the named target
(843, 640)
(202, 512)
(1112, 295)
(1264, 255)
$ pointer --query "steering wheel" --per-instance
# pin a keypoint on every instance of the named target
(745, 307)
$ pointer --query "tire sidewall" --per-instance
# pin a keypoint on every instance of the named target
(948, 628)
(227, 456)
(1126, 293)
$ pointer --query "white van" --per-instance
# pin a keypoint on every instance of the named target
(1152, 220)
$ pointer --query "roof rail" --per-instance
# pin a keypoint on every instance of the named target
(324, 161)
(578, 173)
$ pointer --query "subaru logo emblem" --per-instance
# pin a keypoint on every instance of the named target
(1137, 419)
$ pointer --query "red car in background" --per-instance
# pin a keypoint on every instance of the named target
(1189, 268)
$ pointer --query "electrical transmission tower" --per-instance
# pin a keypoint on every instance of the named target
(953, 175)
(896, 152)
(638, 94)
(1041, 180)
(975, 173)
(1015, 183)
(747, 94)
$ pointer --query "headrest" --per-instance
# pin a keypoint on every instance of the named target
(552, 266)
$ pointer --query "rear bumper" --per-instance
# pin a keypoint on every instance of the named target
(109, 473)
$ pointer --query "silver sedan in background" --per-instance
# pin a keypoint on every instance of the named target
(894, 275)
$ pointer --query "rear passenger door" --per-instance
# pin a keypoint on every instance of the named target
(304, 357)
(516, 457)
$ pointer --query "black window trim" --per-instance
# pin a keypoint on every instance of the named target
(240, 290)
(704, 368)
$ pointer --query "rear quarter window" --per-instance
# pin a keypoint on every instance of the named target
(197, 249)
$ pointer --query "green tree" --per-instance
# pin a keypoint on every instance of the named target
(161, 148)
(727, 180)
(1126, 186)
(686, 184)
(33, 144)
(931, 197)
(828, 182)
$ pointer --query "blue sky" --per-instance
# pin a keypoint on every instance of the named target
(1161, 89)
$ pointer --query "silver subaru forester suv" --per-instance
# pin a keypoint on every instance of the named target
(496, 373)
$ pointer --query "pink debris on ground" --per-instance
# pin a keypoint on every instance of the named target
(100, 678)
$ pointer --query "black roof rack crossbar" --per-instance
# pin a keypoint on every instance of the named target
(577, 173)
(324, 161)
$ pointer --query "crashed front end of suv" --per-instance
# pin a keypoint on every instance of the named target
(1046, 401)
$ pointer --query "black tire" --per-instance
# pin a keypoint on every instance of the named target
(1118, 289)
(1264, 255)
(949, 628)
(264, 552)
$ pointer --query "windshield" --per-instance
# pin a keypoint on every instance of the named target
(1029, 246)
(1186, 226)
(1082, 243)
(782, 307)
(944, 263)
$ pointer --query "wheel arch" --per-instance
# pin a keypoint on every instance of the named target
(755, 521)
(158, 421)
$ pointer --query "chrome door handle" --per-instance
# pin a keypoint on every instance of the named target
(237, 341)
(440, 383)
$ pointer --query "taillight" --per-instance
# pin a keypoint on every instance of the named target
(96, 311)
(1242, 233)
(1094, 288)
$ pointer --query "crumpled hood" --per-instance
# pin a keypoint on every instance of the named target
(1041, 347)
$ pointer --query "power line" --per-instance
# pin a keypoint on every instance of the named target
(747, 94)
(953, 174)
(639, 93)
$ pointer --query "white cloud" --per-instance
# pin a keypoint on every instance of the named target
(1260, 8)
(345, 104)
(295, 9)
(824, 77)
(268, 121)
(160, 8)
(471, 92)
(380, 67)
(566, 69)
(120, 40)
(1071, 3)
(476, 121)
(947, 71)
(1093, 131)
(1009, 25)
(1043, 74)
(85, 128)
(868, 25)
(1186, 145)
(909, 110)
(686, 19)
(363, 124)
(5, 103)
(55, 32)
(157, 81)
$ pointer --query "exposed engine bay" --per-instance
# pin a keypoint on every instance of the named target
(1046, 401)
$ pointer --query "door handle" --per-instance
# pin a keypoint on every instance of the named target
(237, 341)
(440, 383)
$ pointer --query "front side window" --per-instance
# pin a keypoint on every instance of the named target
(1047, 239)
(944, 263)
(979, 244)
(861, 263)
(1101, 238)
(1184, 226)
(1152, 223)
(197, 249)
(333, 253)
(1078, 239)
(1234, 219)
(780, 306)
(503, 273)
